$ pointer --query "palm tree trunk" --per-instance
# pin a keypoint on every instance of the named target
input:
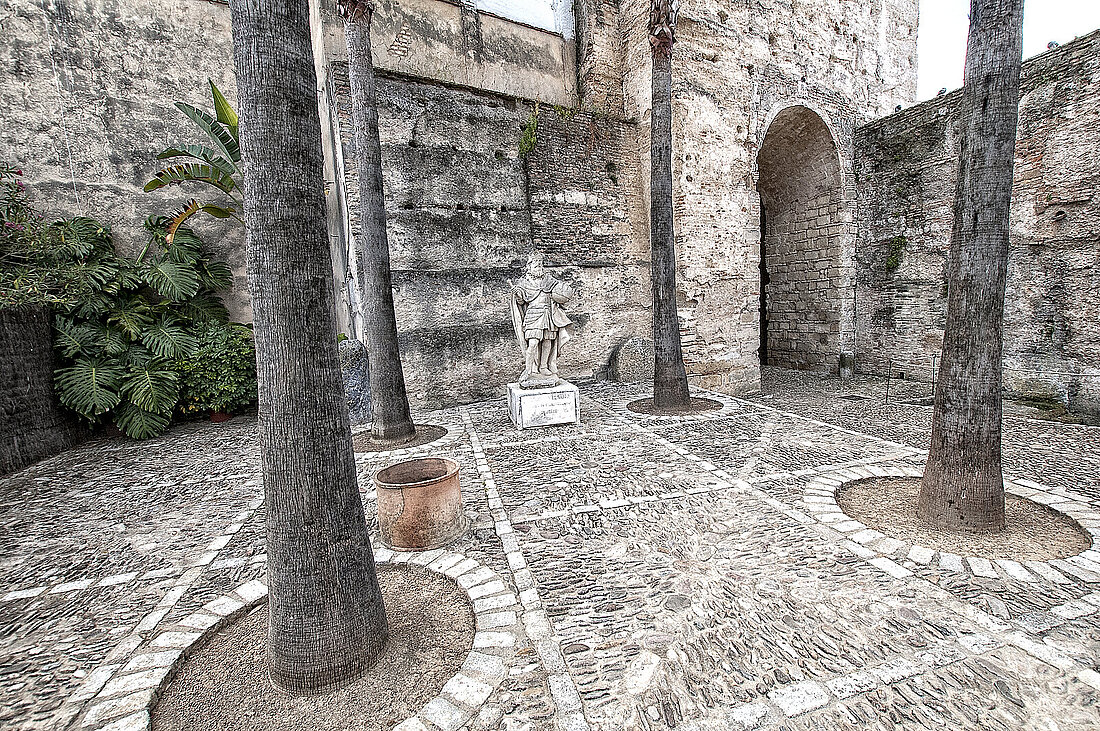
(392, 420)
(327, 621)
(670, 386)
(962, 486)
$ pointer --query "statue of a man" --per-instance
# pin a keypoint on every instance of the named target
(541, 325)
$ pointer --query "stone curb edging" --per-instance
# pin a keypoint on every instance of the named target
(880, 550)
(454, 433)
(125, 702)
(729, 406)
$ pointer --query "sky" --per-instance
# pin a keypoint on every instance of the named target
(944, 24)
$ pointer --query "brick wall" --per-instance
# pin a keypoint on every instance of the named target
(907, 171)
(32, 424)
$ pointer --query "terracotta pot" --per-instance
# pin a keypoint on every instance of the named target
(420, 504)
(219, 416)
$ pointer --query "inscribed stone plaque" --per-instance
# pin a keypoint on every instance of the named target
(544, 406)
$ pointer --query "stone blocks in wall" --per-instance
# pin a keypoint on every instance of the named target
(32, 423)
(906, 166)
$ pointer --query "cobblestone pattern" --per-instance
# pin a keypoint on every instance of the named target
(657, 572)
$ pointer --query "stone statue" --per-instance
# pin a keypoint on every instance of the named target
(541, 325)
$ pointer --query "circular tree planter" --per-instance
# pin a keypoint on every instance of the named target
(420, 504)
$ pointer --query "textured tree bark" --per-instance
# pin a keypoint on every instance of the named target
(963, 488)
(670, 385)
(327, 619)
(392, 419)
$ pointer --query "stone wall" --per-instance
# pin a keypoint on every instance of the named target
(907, 169)
(32, 424)
(88, 87)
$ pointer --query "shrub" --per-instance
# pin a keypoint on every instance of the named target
(220, 372)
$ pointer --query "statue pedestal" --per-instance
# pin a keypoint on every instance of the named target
(533, 407)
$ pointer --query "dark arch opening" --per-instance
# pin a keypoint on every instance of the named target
(802, 228)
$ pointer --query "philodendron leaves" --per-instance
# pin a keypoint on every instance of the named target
(137, 423)
(175, 280)
(90, 386)
(168, 339)
(153, 387)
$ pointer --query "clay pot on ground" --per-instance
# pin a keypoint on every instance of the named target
(219, 416)
(419, 504)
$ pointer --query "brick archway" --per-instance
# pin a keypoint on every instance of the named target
(803, 224)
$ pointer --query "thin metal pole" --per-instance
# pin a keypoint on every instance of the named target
(889, 375)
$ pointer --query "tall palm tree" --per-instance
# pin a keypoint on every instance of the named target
(327, 621)
(670, 385)
(390, 403)
(963, 486)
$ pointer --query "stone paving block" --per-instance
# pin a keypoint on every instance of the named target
(1047, 572)
(861, 551)
(487, 589)
(442, 714)
(100, 713)
(982, 567)
(125, 684)
(151, 660)
(473, 578)
(894, 670)
(500, 601)
(977, 643)
(1015, 570)
(951, 562)
(1038, 622)
(467, 691)
(117, 579)
(482, 665)
(176, 639)
(564, 692)
(150, 621)
(1041, 651)
(898, 572)
(460, 567)
(223, 606)
(424, 558)
(940, 656)
(800, 698)
(887, 545)
(866, 536)
(1076, 571)
(847, 686)
(71, 586)
(921, 555)
(1091, 677)
(747, 717)
(23, 594)
(488, 638)
(848, 526)
(251, 591)
(199, 620)
(1074, 609)
(93, 683)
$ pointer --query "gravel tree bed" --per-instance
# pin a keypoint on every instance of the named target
(425, 434)
(1033, 532)
(225, 685)
(697, 406)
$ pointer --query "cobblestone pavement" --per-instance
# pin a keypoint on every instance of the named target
(670, 572)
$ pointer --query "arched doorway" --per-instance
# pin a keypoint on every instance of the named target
(802, 232)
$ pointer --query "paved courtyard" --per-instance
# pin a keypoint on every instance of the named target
(658, 572)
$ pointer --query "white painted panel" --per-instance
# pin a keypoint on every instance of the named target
(552, 15)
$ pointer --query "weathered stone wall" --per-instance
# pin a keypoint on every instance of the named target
(907, 172)
(736, 68)
(464, 210)
(87, 89)
(32, 423)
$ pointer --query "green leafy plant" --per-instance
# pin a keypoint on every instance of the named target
(529, 138)
(219, 374)
(217, 164)
(119, 336)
